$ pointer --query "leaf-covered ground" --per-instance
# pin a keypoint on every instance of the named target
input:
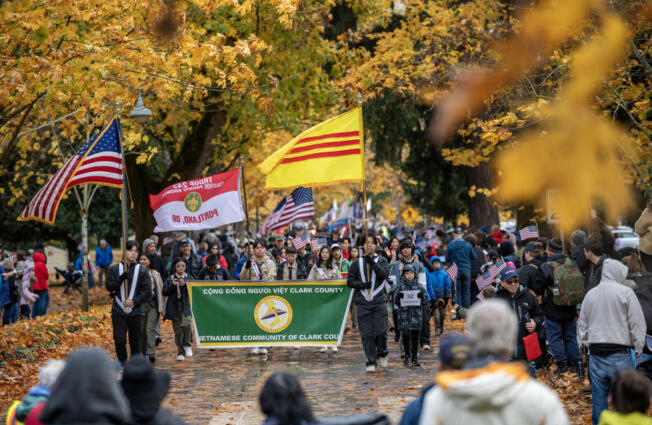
(221, 387)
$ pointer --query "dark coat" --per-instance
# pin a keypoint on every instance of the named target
(220, 274)
(143, 292)
(298, 271)
(526, 307)
(409, 318)
(528, 274)
(644, 295)
(477, 262)
(159, 266)
(595, 273)
(544, 281)
(354, 281)
(194, 265)
(170, 290)
(460, 252)
(577, 255)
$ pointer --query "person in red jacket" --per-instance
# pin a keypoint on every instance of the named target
(40, 278)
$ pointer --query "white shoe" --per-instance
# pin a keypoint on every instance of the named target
(297, 348)
(370, 369)
(426, 347)
(334, 349)
(382, 361)
(323, 349)
(263, 351)
(255, 350)
(180, 357)
(188, 351)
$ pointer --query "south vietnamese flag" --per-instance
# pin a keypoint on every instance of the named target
(204, 203)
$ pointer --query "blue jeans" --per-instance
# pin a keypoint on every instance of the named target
(10, 314)
(562, 338)
(463, 289)
(601, 372)
(40, 306)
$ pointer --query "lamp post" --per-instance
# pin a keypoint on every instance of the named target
(140, 113)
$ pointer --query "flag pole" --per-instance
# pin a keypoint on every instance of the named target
(124, 206)
(244, 191)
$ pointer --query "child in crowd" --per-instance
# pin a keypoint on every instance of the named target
(439, 292)
(410, 315)
(629, 400)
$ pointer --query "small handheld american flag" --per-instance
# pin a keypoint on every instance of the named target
(318, 243)
(301, 242)
(484, 280)
(496, 269)
(529, 232)
(452, 272)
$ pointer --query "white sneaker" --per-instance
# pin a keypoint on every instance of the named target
(255, 350)
(370, 369)
(382, 361)
(334, 349)
(323, 349)
(263, 351)
(188, 351)
(180, 357)
(426, 347)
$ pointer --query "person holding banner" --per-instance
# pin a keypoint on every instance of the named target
(260, 267)
(291, 269)
(367, 276)
(129, 285)
(324, 268)
(409, 301)
(177, 307)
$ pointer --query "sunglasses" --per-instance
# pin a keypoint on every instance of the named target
(512, 281)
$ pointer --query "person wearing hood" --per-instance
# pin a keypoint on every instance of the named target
(41, 289)
(560, 322)
(523, 304)
(611, 324)
(86, 393)
(40, 393)
(145, 389)
(409, 299)
(491, 389)
(438, 288)
(129, 284)
(527, 274)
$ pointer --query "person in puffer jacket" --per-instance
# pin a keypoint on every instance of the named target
(438, 287)
(40, 285)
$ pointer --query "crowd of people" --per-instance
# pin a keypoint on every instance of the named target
(585, 304)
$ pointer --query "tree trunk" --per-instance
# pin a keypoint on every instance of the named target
(482, 211)
(196, 151)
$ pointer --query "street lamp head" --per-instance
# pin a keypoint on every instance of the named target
(140, 113)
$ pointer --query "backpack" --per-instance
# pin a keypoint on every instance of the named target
(568, 288)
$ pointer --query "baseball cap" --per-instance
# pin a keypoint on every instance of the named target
(530, 247)
(299, 227)
(279, 237)
(457, 231)
(450, 345)
(508, 273)
(335, 245)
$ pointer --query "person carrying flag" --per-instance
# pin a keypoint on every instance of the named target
(260, 266)
(367, 276)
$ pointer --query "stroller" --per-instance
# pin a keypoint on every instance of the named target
(73, 278)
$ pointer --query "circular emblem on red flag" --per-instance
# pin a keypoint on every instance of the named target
(192, 202)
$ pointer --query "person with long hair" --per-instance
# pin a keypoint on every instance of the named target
(324, 268)
(177, 307)
(392, 249)
(153, 308)
(283, 401)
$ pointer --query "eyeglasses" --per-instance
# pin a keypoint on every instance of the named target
(512, 281)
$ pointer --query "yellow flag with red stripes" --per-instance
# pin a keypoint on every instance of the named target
(328, 153)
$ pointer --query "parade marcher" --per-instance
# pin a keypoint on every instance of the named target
(213, 269)
(392, 249)
(40, 393)
(629, 400)
(149, 247)
(291, 269)
(248, 251)
(177, 307)
(324, 267)
(103, 259)
(41, 289)
(410, 316)
(214, 248)
(524, 305)
(339, 261)
(559, 319)
(154, 308)
(345, 244)
(367, 276)
(461, 253)
(438, 287)
(259, 266)
(611, 323)
(194, 263)
(129, 285)
(304, 257)
(496, 391)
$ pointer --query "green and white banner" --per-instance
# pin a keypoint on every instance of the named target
(237, 314)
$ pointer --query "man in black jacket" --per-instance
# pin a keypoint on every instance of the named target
(194, 263)
(213, 270)
(367, 276)
(129, 285)
(594, 253)
(560, 322)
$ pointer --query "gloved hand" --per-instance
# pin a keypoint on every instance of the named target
(124, 276)
(420, 295)
(248, 264)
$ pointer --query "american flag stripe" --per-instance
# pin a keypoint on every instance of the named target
(484, 280)
(298, 205)
(318, 243)
(99, 161)
(496, 268)
(300, 242)
(452, 272)
(529, 232)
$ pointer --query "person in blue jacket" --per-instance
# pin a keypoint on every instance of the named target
(78, 266)
(438, 287)
(103, 259)
(461, 252)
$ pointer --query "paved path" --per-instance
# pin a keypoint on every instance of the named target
(221, 387)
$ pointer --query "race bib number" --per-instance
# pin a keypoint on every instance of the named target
(410, 298)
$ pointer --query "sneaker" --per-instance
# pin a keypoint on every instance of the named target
(416, 363)
(370, 369)
(438, 332)
(335, 350)
(406, 362)
(263, 351)
(180, 357)
(426, 347)
(188, 351)
(382, 361)
(255, 350)
(323, 349)
(158, 340)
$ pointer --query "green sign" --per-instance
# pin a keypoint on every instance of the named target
(265, 314)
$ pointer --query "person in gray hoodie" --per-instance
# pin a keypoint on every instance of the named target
(611, 324)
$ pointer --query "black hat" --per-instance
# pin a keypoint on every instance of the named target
(140, 381)
(530, 247)
(554, 245)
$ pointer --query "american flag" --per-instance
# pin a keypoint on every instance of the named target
(300, 242)
(452, 272)
(496, 268)
(484, 280)
(318, 243)
(298, 205)
(529, 232)
(99, 161)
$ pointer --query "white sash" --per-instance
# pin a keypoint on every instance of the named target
(321, 273)
(369, 294)
(254, 267)
(120, 301)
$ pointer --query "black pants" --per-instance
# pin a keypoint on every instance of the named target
(424, 335)
(372, 322)
(410, 344)
(122, 324)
